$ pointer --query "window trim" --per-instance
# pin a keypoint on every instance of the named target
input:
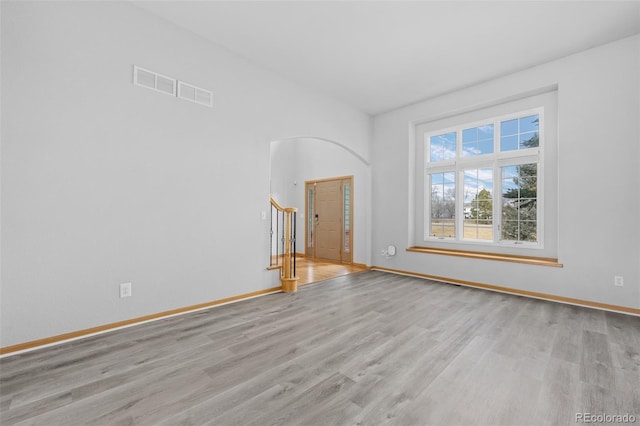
(502, 257)
(495, 160)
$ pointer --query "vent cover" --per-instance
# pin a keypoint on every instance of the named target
(194, 94)
(155, 81)
(171, 86)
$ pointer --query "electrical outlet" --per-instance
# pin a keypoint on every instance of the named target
(618, 281)
(125, 290)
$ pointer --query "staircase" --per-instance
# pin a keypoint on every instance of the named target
(282, 247)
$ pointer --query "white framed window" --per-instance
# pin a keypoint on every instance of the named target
(483, 181)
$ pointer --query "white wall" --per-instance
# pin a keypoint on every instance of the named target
(313, 159)
(598, 178)
(283, 171)
(105, 182)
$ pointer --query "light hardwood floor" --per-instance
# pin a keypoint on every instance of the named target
(310, 270)
(363, 349)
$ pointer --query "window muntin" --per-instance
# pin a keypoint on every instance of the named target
(519, 203)
(478, 204)
(443, 147)
(346, 217)
(477, 140)
(496, 164)
(519, 133)
(310, 208)
(443, 202)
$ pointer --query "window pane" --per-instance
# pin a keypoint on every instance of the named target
(478, 204)
(442, 147)
(346, 219)
(310, 208)
(469, 135)
(435, 153)
(522, 133)
(519, 203)
(529, 140)
(469, 149)
(509, 128)
(529, 124)
(508, 143)
(485, 132)
(485, 147)
(443, 203)
(449, 178)
(509, 172)
(443, 228)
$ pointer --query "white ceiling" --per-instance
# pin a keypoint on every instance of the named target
(380, 55)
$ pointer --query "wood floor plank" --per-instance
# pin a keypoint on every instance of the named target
(596, 366)
(557, 398)
(325, 351)
(402, 390)
(369, 348)
(296, 409)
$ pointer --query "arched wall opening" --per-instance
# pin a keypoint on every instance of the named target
(293, 161)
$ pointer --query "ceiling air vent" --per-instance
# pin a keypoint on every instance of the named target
(153, 80)
(194, 94)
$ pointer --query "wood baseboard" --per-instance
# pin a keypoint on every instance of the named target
(337, 262)
(34, 344)
(532, 294)
(120, 324)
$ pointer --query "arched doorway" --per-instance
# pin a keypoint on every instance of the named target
(297, 163)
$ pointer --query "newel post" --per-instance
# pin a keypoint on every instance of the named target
(289, 280)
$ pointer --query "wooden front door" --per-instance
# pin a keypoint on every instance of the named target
(329, 219)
